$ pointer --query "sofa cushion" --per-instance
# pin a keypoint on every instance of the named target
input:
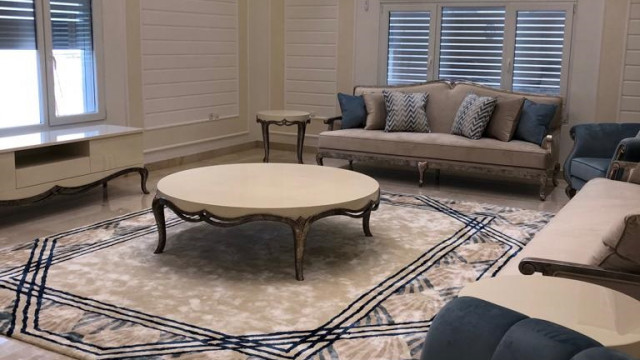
(505, 118)
(445, 99)
(623, 245)
(576, 232)
(535, 121)
(353, 110)
(473, 116)
(406, 112)
(376, 111)
(437, 146)
(589, 168)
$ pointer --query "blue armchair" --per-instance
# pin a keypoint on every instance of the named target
(473, 329)
(595, 146)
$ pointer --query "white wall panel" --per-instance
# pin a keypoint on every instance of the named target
(311, 54)
(189, 60)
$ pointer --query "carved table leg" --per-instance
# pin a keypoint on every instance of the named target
(300, 232)
(422, 169)
(319, 160)
(438, 176)
(556, 172)
(351, 165)
(158, 212)
(265, 140)
(365, 223)
(302, 128)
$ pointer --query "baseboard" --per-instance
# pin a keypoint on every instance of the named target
(182, 160)
(288, 147)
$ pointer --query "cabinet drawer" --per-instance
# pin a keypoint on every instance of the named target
(116, 152)
(53, 171)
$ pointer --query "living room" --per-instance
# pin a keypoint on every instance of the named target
(151, 183)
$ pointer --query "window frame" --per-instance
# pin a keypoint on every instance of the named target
(98, 56)
(383, 57)
(44, 39)
(508, 46)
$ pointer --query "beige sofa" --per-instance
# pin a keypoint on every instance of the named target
(573, 244)
(441, 150)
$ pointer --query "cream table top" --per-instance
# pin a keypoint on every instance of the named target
(286, 190)
(605, 315)
(277, 115)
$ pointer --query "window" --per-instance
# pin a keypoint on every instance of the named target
(471, 41)
(50, 64)
(539, 49)
(408, 53)
(520, 46)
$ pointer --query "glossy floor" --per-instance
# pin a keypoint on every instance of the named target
(21, 224)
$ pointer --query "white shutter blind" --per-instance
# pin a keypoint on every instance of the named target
(17, 25)
(471, 44)
(189, 61)
(408, 55)
(537, 66)
(71, 25)
(311, 56)
(630, 101)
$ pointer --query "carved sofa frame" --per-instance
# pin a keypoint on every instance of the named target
(422, 164)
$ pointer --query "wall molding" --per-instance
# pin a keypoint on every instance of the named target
(188, 123)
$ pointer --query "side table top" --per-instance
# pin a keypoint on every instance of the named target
(286, 190)
(278, 115)
(610, 317)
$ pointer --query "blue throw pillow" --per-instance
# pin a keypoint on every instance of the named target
(354, 112)
(535, 120)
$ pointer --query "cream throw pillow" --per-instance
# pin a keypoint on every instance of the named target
(623, 245)
(376, 111)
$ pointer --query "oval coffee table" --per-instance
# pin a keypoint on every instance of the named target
(297, 195)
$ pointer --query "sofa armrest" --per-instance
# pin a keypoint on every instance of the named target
(621, 170)
(628, 150)
(547, 143)
(330, 122)
(529, 266)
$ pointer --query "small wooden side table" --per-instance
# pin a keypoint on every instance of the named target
(607, 316)
(283, 118)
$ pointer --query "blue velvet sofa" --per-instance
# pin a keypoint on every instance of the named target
(595, 146)
(473, 329)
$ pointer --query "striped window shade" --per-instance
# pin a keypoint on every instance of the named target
(471, 44)
(408, 55)
(539, 51)
(71, 25)
(17, 25)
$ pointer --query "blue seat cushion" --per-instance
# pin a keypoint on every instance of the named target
(535, 339)
(589, 168)
(601, 353)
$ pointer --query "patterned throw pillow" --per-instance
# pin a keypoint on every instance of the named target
(406, 112)
(473, 116)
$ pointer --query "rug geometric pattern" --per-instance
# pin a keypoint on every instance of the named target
(388, 321)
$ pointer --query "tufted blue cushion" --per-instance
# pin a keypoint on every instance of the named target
(534, 121)
(468, 318)
(354, 112)
(589, 168)
(535, 339)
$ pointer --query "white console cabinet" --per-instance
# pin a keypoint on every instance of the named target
(38, 165)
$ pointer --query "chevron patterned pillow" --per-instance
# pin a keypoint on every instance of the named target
(406, 112)
(473, 116)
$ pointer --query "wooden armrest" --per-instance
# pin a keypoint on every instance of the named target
(331, 120)
(529, 266)
(547, 143)
(625, 166)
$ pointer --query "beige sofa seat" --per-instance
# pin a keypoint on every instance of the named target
(437, 146)
(576, 233)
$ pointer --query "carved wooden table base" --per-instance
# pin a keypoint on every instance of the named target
(61, 190)
(300, 227)
(302, 127)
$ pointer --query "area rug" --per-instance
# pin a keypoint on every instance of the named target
(99, 292)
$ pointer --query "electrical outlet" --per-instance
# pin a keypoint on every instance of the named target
(213, 117)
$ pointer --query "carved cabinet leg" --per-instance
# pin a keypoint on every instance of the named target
(158, 212)
(422, 169)
(144, 176)
(300, 232)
